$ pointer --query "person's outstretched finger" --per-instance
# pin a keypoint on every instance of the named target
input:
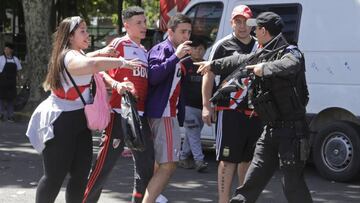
(204, 67)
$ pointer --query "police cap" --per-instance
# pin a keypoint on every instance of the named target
(269, 20)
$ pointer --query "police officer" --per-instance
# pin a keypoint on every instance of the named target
(279, 95)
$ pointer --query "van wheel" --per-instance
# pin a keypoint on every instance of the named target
(336, 151)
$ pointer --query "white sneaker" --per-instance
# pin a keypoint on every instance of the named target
(161, 199)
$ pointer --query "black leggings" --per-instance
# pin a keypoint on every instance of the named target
(70, 151)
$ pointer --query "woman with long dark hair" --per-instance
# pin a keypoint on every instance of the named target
(58, 128)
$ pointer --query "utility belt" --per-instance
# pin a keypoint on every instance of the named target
(247, 112)
(300, 126)
(284, 124)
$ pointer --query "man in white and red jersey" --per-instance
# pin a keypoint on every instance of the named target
(237, 128)
(136, 81)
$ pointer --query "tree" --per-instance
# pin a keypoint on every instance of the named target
(152, 12)
(37, 28)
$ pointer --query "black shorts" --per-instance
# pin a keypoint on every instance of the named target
(236, 136)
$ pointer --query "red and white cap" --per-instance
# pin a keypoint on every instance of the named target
(241, 10)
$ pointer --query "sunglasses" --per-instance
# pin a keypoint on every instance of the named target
(75, 20)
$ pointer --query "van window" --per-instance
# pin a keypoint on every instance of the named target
(291, 15)
(205, 19)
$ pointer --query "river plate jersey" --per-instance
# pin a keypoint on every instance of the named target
(128, 49)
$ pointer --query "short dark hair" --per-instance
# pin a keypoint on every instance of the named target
(132, 11)
(198, 40)
(9, 45)
(176, 20)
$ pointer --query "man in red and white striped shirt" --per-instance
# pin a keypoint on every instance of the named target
(136, 81)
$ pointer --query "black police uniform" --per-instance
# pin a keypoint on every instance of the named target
(279, 97)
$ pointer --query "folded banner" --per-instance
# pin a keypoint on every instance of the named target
(131, 123)
(169, 8)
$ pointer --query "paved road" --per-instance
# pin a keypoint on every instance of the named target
(20, 169)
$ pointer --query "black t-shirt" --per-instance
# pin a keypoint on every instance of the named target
(228, 46)
(192, 84)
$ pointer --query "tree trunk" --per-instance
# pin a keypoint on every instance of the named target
(37, 28)
(2, 41)
(120, 23)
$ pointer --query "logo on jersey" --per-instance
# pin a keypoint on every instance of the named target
(116, 143)
(226, 151)
(140, 72)
(177, 153)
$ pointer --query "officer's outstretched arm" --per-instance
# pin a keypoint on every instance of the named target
(287, 65)
(228, 64)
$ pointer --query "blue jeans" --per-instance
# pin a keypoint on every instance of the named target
(193, 125)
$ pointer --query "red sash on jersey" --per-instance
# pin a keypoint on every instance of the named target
(71, 94)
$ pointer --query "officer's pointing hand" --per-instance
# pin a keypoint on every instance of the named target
(257, 69)
(204, 67)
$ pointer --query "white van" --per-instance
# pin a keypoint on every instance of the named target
(328, 32)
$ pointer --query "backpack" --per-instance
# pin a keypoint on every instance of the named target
(98, 113)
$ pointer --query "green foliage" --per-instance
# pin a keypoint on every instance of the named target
(151, 7)
(108, 8)
(114, 18)
(152, 12)
(100, 8)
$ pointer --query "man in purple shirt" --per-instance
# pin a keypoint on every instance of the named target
(165, 105)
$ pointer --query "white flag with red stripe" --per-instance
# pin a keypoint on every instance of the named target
(238, 96)
(169, 8)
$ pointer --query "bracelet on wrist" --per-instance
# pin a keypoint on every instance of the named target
(123, 62)
(114, 85)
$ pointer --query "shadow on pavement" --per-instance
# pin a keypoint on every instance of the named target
(21, 168)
